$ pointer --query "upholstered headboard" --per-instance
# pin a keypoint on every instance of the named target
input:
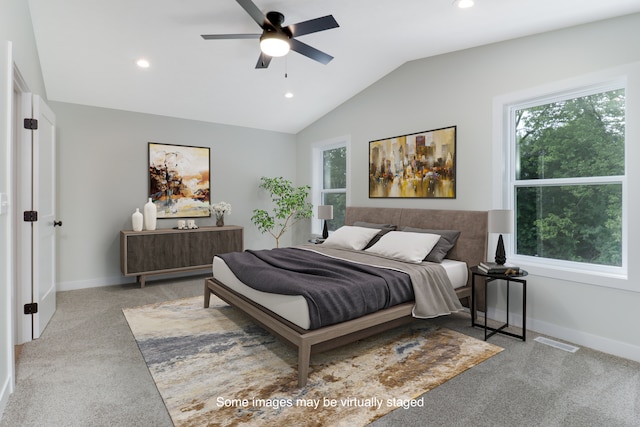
(473, 225)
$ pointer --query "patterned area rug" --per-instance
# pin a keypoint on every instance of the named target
(215, 367)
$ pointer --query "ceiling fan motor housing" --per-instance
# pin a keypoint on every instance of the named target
(282, 39)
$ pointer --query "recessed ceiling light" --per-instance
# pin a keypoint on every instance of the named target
(143, 63)
(464, 4)
(288, 95)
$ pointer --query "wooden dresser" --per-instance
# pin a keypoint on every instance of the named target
(143, 253)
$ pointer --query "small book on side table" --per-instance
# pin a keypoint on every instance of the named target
(493, 268)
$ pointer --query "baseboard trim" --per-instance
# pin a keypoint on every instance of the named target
(5, 393)
(573, 336)
(585, 339)
(94, 283)
(120, 280)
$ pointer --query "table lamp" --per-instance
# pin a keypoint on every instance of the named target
(501, 221)
(325, 212)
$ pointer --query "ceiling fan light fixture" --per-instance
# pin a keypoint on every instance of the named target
(274, 44)
(464, 4)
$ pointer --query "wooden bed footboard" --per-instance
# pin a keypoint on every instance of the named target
(316, 340)
(308, 342)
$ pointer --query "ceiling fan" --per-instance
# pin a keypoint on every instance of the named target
(277, 40)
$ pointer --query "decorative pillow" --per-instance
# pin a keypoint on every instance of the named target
(384, 229)
(350, 237)
(448, 239)
(405, 246)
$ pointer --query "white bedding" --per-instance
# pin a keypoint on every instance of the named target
(294, 307)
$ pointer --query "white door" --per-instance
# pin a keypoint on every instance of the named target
(44, 200)
(43, 240)
(7, 371)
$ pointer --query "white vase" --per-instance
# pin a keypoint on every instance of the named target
(150, 215)
(136, 220)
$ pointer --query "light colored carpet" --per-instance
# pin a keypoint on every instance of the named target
(216, 367)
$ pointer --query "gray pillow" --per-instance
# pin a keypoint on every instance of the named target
(384, 229)
(448, 239)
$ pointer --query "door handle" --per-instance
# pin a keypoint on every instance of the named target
(57, 223)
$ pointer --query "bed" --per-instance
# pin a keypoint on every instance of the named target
(286, 318)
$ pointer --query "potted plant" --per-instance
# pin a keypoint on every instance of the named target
(290, 205)
(219, 210)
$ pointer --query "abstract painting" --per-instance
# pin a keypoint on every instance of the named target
(417, 165)
(179, 180)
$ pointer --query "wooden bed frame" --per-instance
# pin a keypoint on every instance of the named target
(470, 248)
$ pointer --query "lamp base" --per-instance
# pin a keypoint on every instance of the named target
(501, 256)
(325, 231)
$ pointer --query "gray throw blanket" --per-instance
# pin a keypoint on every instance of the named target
(336, 290)
(341, 285)
(433, 292)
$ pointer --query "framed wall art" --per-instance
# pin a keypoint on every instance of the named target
(417, 165)
(179, 180)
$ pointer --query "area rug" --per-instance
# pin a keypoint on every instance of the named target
(215, 367)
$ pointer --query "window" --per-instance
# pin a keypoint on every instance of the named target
(330, 181)
(567, 178)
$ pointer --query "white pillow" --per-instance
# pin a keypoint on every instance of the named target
(405, 246)
(350, 237)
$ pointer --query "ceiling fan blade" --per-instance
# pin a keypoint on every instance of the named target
(310, 52)
(230, 36)
(313, 26)
(254, 12)
(263, 61)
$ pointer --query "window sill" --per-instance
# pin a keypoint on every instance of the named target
(549, 269)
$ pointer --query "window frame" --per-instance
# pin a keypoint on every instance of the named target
(317, 167)
(504, 179)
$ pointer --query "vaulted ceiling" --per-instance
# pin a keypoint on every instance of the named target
(88, 51)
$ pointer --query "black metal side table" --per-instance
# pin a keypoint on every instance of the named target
(491, 277)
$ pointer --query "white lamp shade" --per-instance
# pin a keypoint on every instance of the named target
(501, 221)
(325, 212)
(274, 44)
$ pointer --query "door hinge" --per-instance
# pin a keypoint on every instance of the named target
(30, 216)
(31, 308)
(31, 124)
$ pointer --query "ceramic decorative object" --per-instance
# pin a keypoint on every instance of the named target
(150, 215)
(136, 220)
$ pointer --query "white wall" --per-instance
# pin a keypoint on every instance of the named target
(16, 26)
(18, 41)
(102, 178)
(459, 89)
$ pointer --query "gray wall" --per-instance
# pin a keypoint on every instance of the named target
(102, 178)
(459, 89)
